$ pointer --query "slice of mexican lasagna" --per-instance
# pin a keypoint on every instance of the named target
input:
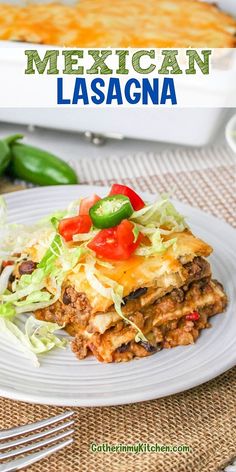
(124, 278)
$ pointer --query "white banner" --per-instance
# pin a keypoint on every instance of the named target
(36, 76)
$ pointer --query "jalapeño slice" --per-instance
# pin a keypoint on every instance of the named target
(110, 211)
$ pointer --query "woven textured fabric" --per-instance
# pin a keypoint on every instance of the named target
(203, 418)
(204, 178)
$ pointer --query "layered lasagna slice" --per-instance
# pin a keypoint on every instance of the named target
(125, 278)
(168, 297)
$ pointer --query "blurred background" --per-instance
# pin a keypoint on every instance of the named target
(128, 132)
(73, 134)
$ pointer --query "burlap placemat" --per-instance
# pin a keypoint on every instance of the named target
(7, 186)
(203, 418)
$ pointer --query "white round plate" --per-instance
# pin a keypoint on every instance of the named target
(64, 380)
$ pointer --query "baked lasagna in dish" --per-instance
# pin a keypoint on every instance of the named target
(119, 23)
(123, 277)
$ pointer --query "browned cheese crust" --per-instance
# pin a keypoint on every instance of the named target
(120, 23)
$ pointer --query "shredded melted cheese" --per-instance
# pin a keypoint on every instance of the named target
(119, 23)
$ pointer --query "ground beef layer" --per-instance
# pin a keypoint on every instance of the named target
(163, 319)
(74, 307)
(165, 324)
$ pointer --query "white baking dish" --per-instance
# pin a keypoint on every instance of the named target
(194, 127)
(182, 126)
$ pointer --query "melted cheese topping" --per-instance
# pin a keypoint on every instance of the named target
(160, 270)
(138, 271)
(119, 23)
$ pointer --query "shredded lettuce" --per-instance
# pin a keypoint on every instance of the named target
(161, 213)
(69, 258)
(52, 253)
(15, 296)
(26, 280)
(155, 221)
(157, 246)
(37, 296)
(95, 283)
(36, 291)
(85, 236)
(117, 297)
(73, 208)
(22, 307)
(52, 218)
(7, 310)
(55, 222)
(136, 232)
(106, 264)
(37, 338)
(4, 277)
(43, 287)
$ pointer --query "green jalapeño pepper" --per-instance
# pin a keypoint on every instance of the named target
(38, 166)
(110, 211)
(5, 156)
(5, 151)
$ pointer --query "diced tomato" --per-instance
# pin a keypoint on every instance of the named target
(125, 233)
(194, 316)
(87, 203)
(136, 201)
(7, 263)
(115, 243)
(75, 225)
